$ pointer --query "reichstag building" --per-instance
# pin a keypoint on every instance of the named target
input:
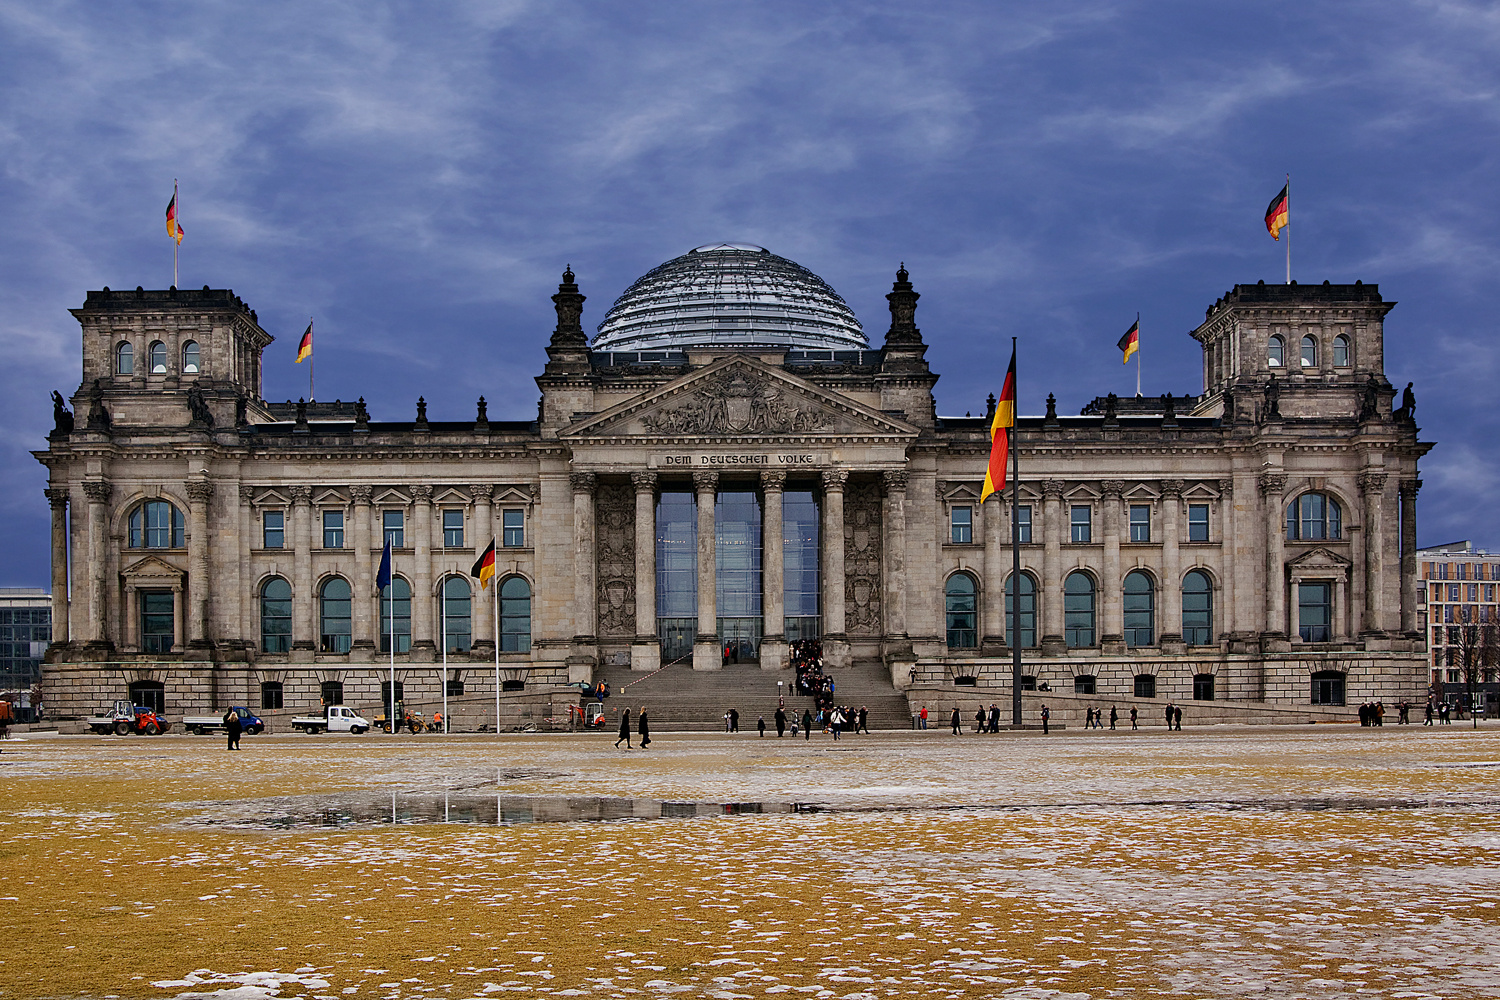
(727, 466)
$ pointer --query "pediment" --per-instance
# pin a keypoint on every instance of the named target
(329, 498)
(450, 495)
(152, 568)
(273, 498)
(511, 495)
(739, 397)
(1200, 491)
(1082, 491)
(962, 492)
(1142, 491)
(1319, 558)
(390, 497)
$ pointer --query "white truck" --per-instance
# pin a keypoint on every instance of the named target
(336, 719)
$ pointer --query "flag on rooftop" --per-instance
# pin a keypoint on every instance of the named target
(1005, 418)
(1278, 213)
(304, 349)
(174, 228)
(1131, 342)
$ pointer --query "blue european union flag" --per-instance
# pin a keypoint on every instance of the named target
(383, 578)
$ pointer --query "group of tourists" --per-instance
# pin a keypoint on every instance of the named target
(807, 660)
(643, 727)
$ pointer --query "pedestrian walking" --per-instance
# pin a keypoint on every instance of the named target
(643, 728)
(1177, 717)
(864, 720)
(624, 728)
(780, 722)
(1169, 716)
(1046, 714)
(806, 724)
(734, 720)
(760, 724)
(958, 722)
(836, 722)
(233, 728)
(1427, 718)
(1114, 716)
(979, 720)
(1133, 723)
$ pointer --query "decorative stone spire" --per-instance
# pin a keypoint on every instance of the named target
(569, 303)
(903, 300)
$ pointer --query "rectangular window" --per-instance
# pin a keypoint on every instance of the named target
(1197, 522)
(1082, 523)
(453, 529)
(1462, 571)
(1140, 522)
(274, 534)
(1437, 635)
(1455, 676)
(156, 621)
(394, 524)
(1442, 571)
(1421, 593)
(1447, 612)
(962, 523)
(270, 694)
(333, 529)
(513, 529)
(1203, 687)
(1473, 592)
(1023, 522)
(1455, 592)
(1489, 593)
(1315, 611)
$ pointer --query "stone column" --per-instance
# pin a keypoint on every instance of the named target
(583, 558)
(423, 646)
(1169, 618)
(58, 498)
(482, 601)
(1051, 591)
(1272, 487)
(200, 494)
(772, 572)
(1408, 494)
(645, 651)
(894, 570)
(130, 633)
(366, 603)
(248, 608)
(177, 616)
(305, 602)
(1110, 591)
(1372, 488)
(706, 652)
(996, 569)
(833, 553)
(1224, 617)
(97, 494)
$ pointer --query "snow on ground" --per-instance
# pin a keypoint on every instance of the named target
(1319, 861)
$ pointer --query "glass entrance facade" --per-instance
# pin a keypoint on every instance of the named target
(676, 573)
(799, 556)
(737, 581)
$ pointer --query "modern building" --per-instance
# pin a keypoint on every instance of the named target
(25, 632)
(1457, 588)
(730, 465)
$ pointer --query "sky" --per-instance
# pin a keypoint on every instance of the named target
(416, 176)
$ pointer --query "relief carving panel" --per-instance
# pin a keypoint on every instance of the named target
(614, 545)
(862, 543)
(739, 403)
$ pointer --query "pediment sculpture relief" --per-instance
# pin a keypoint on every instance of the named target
(739, 403)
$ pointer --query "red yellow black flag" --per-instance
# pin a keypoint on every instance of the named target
(1005, 419)
(484, 566)
(1278, 213)
(1131, 342)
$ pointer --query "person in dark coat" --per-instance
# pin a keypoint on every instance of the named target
(957, 721)
(807, 723)
(864, 720)
(780, 722)
(1170, 716)
(1114, 716)
(624, 728)
(643, 727)
(232, 727)
(1046, 715)
(734, 720)
(979, 720)
(1177, 717)
(760, 724)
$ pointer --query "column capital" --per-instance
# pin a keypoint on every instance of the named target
(97, 492)
(895, 481)
(200, 491)
(834, 479)
(1171, 489)
(1226, 487)
(644, 482)
(301, 495)
(481, 492)
(1113, 489)
(421, 493)
(1052, 489)
(705, 481)
(1409, 488)
(1271, 484)
(361, 495)
(1372, 483)
(773, 481)
(57, 497)
(583, 482)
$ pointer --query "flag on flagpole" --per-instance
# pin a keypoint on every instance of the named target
(174, 228)
(304, 349)
(1278, 213)
(1131, 342)
(383, 577)
(1005, 418)
(484, 566)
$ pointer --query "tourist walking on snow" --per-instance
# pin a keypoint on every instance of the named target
(780, 721)
(643, 727)
(232, 727)
(958, 722)
(624, 728)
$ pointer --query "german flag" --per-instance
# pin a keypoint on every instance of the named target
(484, 566)
(174, 229)
(304, 349)
(1005, 419)
(1278, 213)
(1131, 342)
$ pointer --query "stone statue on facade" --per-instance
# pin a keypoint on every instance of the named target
(201, 415)
(62, 420)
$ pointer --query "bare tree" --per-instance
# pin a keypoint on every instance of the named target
(1478, 651)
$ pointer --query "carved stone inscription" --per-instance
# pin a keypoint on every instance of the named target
(739, 403)
(614, 540)
(862, 558)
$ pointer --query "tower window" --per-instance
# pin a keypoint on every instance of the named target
(1314, 516)
(1276, 352)
(158, 358)
(961, 522)
(1341, 351)
(1309, 352)
(190, 358)
(125, 359)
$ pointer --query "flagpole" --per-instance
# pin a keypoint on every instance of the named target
(1137, 354)
(1016, 547)
(443, 616)
(1289, 228)
(391, 587)
(497, 654)
(176, 221)
(312, 367)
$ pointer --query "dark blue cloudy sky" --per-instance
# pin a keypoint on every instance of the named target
(416, 176)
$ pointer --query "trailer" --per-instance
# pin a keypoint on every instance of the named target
(250, 723)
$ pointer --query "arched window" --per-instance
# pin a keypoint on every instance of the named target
(1314, 516)
(1341, 351)
(515, 616)
(1028, 612)
(276, 616)
(157, 358)
(190, 357)
(1140, 610)
(153, 695)
(1275, 352)
(1197, 609)
(334, 618)
(456, 611)
(125, 359)
(399, 594)
(156, 524)
(1078, 610)
(1309, 352)
(961, 606)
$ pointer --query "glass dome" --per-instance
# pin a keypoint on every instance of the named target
(732, 295)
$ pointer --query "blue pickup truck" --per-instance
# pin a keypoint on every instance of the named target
(250, 723)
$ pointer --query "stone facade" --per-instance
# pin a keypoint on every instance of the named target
(1160, 543)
